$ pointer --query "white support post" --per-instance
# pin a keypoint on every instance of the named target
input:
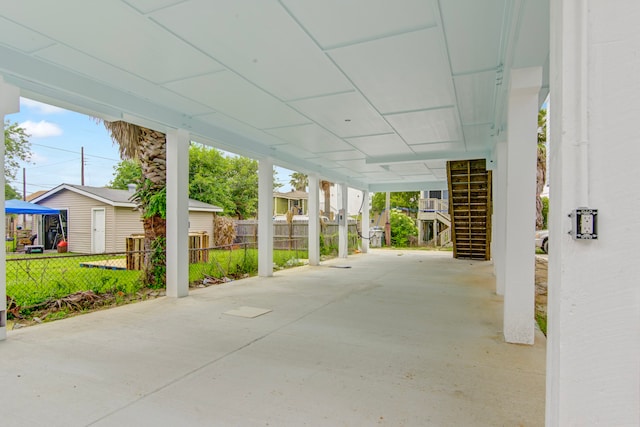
(519, 295)
(9, 104)
(265, 218)
(178, 213)
(343, 226)
(365, 222)
(314, 220)
(420, 232)
(593, 328)
(500, 213)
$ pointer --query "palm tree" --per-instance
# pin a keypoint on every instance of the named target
(147, 147)
(326, 190)
(541, 176)
(299, 181)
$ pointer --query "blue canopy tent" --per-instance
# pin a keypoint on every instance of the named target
(21, 207)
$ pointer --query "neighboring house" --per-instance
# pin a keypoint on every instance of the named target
(354, 201)
(98, 219)
(298, 200)
(293, 200)
(434, 222)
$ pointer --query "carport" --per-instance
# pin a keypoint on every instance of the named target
(377, 96)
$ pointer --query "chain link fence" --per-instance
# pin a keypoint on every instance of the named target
(57, 281)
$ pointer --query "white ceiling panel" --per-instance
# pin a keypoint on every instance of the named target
(234, 96)
(382, 176)
(150, 52)
(380, 145)
(410, 168)
(335, 83)
(473, 36)
(423, 127)
(344, 155)
(147, 6)
(436, 164)
(311, 137)
(78, 62)
(477, 137)
(258, 40)
(360, 165)
(403, 73)
(345, 114)
(439, 146)
(338, 22)
(419, 177)
(226, 122)
(440, 173)
(294, 150)
(21, 38)
(476, 94)
(347, 172)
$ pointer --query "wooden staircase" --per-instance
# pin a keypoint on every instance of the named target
(470, 208)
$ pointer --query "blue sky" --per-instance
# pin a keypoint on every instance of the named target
(57, 136)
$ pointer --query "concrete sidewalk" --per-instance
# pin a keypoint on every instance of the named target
(399, 339)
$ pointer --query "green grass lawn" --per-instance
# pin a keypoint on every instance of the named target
(39, 278)
(226, 263)
(32, 279)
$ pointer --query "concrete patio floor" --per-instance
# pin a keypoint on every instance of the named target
(408, 338)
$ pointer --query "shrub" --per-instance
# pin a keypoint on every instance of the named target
(402, 227)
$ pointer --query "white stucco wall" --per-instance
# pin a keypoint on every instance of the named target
(593, 361)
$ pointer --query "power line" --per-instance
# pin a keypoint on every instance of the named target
(53, 164)
(75, 152)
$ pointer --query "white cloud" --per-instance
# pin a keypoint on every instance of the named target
(39, 159)
(39, 107)
(42, 129)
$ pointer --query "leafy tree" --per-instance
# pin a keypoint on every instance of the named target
(405, 200)
(402, 227)
(242, 178)
(541, 173)
(208, 170)
(299, 181)
(17, 149)
(10, 193)
(545, 212)
(228, 182)
(124, 173)
(276, 184)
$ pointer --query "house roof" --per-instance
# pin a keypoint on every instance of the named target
(113, 197)
(292, 195)
(38, 193)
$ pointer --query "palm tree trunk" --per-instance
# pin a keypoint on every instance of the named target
(149, 148)
(326, 190)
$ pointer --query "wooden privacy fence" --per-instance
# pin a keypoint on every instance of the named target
(198, 249)
(298, 231)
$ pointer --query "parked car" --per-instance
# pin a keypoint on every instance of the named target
(542, 240)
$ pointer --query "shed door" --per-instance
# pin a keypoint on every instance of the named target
(97, 233)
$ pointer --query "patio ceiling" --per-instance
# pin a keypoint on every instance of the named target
(374, 93)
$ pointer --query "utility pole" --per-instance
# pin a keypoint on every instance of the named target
(24, 194)
(82, 166)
